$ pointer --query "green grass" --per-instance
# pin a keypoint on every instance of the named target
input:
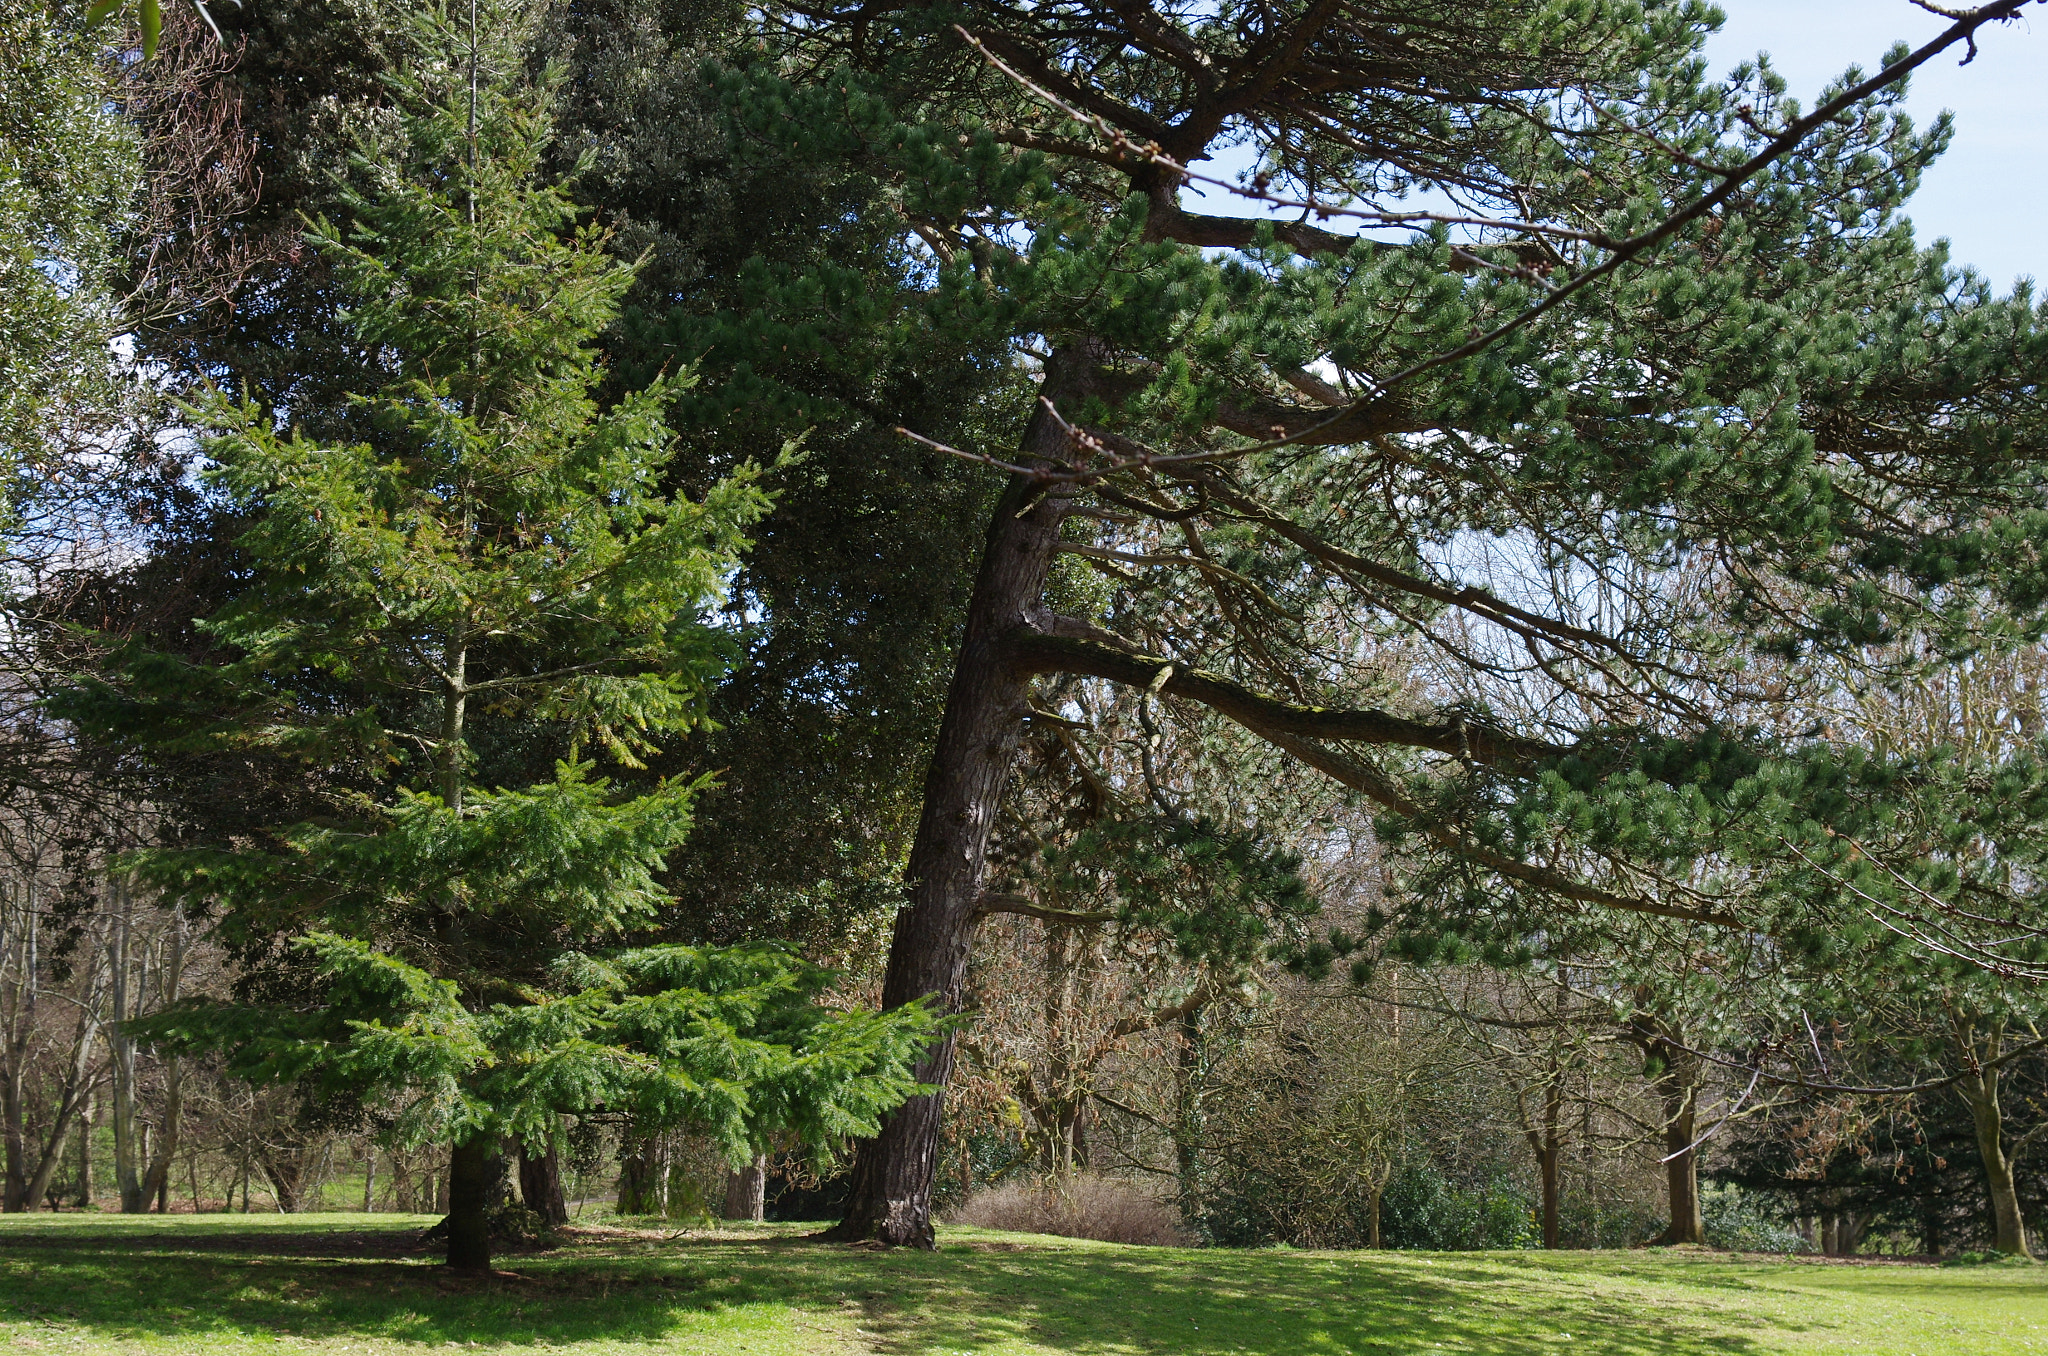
(348, 1284)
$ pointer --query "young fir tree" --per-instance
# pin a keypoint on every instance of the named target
(496, 577)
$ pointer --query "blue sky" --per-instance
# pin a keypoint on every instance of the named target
(1989, 195)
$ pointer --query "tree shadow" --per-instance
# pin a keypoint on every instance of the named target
(360, 1282)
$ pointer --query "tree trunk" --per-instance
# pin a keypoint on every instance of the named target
(540, 1184)
(121, 1058)
(1678, 1086)
(643, 1178)
(20, 968)
(369, 1178)
(285, 1170)
(1931, 1239)
(891, 1194)
(1979, 1092)
(475, 1172)
(1546, 1162)
(1190, 1068)
(1376, 1192)
(71, 1099)
(746, 1191)
(87, 1119)
(157, 1181)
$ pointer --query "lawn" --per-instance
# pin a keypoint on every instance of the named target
(334, 1284)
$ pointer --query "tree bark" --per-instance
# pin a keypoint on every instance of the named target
(475, 1172)
(1979, 1092)
(1546, 1162)
(891, 1195)
(88, 1118)
(540, 1184)
(643, 1178)
(1682, 1166)
(746, 1191)
(121, 1057)
(157, 1181)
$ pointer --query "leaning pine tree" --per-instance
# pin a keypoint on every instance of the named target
(496, 581)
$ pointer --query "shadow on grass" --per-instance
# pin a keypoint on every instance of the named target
(221, 1277)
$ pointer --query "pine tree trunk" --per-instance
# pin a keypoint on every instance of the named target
(540, 1184)
(891, 1196)
(1979, 1091)
(475, 1172)
(746, 1191)
(1680, 1094)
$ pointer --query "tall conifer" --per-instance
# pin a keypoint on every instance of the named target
(496, 580)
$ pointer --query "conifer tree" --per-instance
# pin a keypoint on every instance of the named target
(495, 580)
(1646, 336)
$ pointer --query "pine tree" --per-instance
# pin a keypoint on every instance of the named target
(494, 581)
(1674, 349)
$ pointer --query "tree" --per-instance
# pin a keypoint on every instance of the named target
(72, 174)
(493, 579)
(1664, 327)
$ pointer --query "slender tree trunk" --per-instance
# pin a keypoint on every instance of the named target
(1376, 1192)
(121, 1058)
(20, 995)
(88, 1119)
(369, 1177)
(1546, 1162)
(540, 1183)
(891, 1196)
(746, 1191)
(13, 1114)
(475, 1171)
(1189, 1068)
(72, 1098)
(157, 1182)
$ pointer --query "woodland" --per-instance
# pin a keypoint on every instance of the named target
(1399, 625)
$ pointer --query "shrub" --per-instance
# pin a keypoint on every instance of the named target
(1081, 1206)
(1739, 1222)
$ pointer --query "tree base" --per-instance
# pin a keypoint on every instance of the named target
(904, 1227)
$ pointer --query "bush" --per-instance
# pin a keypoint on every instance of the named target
(1423, 1208)
(1739, 1223)
(1081, 1206)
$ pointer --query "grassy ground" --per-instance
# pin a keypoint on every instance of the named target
(348, 1284)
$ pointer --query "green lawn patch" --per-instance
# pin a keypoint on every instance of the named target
(336, 1284)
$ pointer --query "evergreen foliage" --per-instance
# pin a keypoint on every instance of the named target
(498, 563)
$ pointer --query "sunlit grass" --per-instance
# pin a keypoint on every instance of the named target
(343, 1283)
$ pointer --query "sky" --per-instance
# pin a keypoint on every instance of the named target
(1989, 194)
